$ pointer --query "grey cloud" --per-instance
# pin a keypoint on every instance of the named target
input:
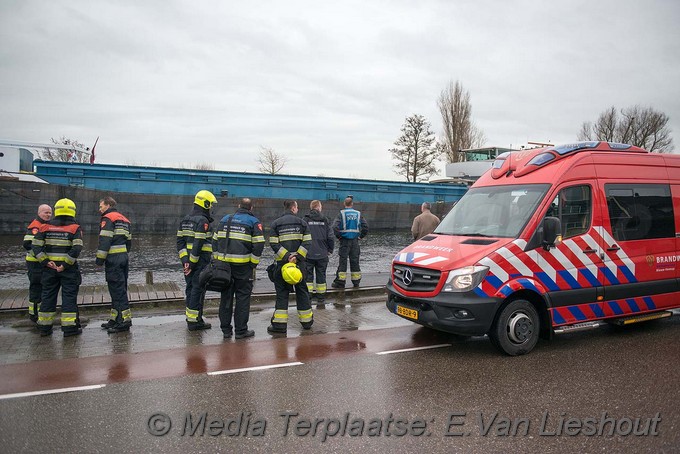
(327, 84)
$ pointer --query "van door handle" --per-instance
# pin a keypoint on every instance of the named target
(614, 248)
(590, 251)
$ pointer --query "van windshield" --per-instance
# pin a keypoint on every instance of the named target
(494, 211)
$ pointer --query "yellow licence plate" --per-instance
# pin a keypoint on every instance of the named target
(408, 313)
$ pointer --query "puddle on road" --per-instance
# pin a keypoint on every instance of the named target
(156, 320)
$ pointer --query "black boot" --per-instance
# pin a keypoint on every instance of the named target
(246, 333)
(338, 284)
(119, 328)
(274, 328)
(108, 324)
(198, 326)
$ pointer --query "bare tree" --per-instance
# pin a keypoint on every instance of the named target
(204, 166)
(604, 128)
(640, 126)
(69, 151)
(416, 150)
(460, 132)
(270, 161)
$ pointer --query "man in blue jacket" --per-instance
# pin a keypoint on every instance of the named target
(240, 242)
(349, 227)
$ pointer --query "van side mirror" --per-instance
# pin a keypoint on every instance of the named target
(552, 232)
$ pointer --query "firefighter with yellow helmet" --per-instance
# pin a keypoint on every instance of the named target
(194, 246)
(56, 246)
(290, 238)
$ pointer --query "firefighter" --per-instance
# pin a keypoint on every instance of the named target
(317, 258)
(349, 227)
(57, 246)
(290, 239)
(115, 241)
(240, 242)
(194, 245)
(34, 267)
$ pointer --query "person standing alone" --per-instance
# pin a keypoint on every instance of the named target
(115, 241)
(424, 223)
(349, 227)
(317, 256)
(34, 267)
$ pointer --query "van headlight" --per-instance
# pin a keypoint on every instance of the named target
(465, 279)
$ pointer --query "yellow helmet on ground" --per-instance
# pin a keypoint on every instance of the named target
(291, 273)
(65, 207)
(205, 199)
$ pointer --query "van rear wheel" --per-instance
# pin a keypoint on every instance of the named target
(516, 329)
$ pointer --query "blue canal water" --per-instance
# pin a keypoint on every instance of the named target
(158, 254)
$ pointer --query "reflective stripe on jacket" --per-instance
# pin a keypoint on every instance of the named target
(349, 224)
(60, 241)
(31, 231)
(114, 235)
(289, 234)
(246, 240)
(194, 237)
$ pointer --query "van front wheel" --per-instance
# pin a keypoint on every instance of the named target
(515, 331)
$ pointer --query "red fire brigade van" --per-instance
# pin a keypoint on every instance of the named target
(549, 240)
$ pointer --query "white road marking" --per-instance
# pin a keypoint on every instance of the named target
(389, 352)
(246, 369)
(50, 391)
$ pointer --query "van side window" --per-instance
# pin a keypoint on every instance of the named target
(640, 211)
(573, 207)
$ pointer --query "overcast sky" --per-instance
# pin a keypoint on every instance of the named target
(327, 84)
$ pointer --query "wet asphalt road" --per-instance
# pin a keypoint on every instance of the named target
(631, 373)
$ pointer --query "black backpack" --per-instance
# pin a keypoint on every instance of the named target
(216, 277)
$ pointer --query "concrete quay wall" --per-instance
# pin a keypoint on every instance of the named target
(161, 213)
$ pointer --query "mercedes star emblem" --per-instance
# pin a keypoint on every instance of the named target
(407, 279)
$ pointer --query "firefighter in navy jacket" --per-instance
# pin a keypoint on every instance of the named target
(290, 240)
(34, 267)
(115, 241)
(240, 242)
(194, 245)
(317, 257)
(349, 227)
(57, 246)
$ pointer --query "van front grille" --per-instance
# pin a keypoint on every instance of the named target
(416, 279)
